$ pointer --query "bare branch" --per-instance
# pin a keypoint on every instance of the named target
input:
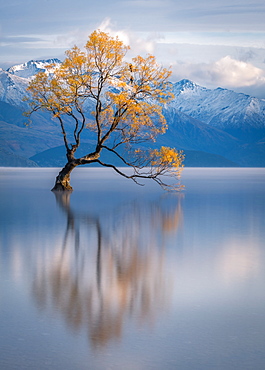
(132, 177)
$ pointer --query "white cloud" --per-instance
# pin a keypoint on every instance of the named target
(243, 39)
(228, 59)
(140, 43)
(107, 26)
(233, 73)
(226, 72)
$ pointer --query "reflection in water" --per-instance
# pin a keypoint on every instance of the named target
(239, 260)
(108, 268)
(110, 261)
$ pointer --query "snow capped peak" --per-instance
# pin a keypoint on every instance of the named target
(186, 86)
(29, 69)
(12, 88)
(220, 88)
(185, 83)
(220, 107)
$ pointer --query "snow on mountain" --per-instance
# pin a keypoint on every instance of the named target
(220, 108)
(187, 87)
(29, 69)
(14, 81)
(217, 121)
(12, 88)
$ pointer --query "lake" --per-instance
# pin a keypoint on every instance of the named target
(119, 276)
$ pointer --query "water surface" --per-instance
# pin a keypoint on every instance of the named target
(117, 276)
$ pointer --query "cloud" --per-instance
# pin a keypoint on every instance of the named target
(146, 4)
(238, 73)
(107, 26)
(233, 72)
(226, 72)
(247, 55)
(139, 44)
(17, 40)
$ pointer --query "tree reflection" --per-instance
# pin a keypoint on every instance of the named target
(109, 269)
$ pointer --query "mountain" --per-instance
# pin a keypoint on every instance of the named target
(55, 157)
(8, 159)
(215, 127)
(29, 69)
(235, 113)
(12, 89)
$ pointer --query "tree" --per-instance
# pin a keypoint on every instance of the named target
(120, 103)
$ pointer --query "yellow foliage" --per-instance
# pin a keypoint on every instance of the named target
(126, 98)
(166, 156)
(88, 74)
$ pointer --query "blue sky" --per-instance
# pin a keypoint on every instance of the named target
(214, 43)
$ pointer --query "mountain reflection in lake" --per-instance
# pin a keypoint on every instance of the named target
(119, 276)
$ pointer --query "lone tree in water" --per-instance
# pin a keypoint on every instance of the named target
(126, 100)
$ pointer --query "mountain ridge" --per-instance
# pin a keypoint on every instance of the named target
(217, 121)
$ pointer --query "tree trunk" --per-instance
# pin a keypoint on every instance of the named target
(62, 182)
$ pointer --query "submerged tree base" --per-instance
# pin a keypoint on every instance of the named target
(60, 187)
(62, 182)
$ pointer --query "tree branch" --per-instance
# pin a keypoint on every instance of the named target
(153, 176)
(63, 132)
(132, 177)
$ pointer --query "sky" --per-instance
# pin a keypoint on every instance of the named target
(214, 43)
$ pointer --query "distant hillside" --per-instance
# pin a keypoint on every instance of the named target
(218, 122)
(11, 160)
(201, 159)
(55, 157)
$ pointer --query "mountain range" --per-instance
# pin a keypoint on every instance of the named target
(214, 127)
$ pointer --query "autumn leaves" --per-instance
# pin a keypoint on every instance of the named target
(122, 102)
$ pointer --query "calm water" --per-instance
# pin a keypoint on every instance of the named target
(117, 276)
